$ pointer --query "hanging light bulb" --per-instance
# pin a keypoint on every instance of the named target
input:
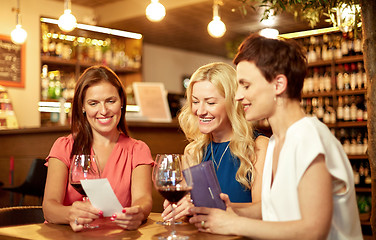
(216, 27)
(67, 22)
(269, 33)
(155, 11)
(18, 35)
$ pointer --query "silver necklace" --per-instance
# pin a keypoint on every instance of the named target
(220, 160)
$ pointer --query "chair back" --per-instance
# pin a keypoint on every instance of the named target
(12, 216)
(36, 177)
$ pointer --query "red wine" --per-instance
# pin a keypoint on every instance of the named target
(78, 187)
(173, 194)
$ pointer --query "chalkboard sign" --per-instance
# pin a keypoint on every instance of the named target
(12, 63)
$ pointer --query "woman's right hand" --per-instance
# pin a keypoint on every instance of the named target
(81, 213)
(181, 208)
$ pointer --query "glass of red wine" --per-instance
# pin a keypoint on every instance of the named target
(83, 167)
(172, 178)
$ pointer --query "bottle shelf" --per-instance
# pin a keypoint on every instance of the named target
(358, 157)
(351, 92)
(351, 124)
(83, 64)
(363, 189)
(345, 59)
(58, 61)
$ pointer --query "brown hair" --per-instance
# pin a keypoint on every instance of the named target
(276, 56)
(81, 129)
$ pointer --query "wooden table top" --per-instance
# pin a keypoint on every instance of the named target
(107, 230)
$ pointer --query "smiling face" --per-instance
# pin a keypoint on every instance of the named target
(254, 92)
(102, 104)
(209, 107)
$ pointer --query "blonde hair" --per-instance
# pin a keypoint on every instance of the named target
(223, 77)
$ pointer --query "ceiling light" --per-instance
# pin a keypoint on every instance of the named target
(19, 34)
(269, 33)
(114, 32)
(67, 22)
(155, 11)
(216, 27)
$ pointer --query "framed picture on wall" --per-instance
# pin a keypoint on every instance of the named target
(12, 63)
(151, 97)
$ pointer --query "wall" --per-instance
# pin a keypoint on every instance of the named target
(25, 100)
(169, 65)
(160, 64)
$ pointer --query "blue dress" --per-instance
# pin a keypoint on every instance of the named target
(226, 171)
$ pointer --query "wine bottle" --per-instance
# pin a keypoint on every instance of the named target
(320, 109)
(340, 80)
(359, 76)
(353, 109)
(344, 47)
(340, 109)
(353, 81)
(346, 77)
(346, 109)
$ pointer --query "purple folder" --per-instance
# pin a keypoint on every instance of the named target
(206, 189)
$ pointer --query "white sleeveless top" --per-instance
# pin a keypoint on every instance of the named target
(304, 141)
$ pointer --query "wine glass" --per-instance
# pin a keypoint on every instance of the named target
(83, 167)
(172, 178)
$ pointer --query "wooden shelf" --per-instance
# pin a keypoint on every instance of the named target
(351, 92)
(363, 189)
(84, 64)
(318, 94)
(352, 124)
(354, 157)
(58, 61)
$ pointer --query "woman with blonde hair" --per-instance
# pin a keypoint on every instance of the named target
(217, 130)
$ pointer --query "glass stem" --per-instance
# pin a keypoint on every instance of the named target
(173, 231)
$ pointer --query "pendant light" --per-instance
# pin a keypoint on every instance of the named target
(67, 22)
(216, 27)
(155, 11)
(18, 35)
(269, 33)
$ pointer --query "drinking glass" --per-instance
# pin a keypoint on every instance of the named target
(83, 167)
(172, 178)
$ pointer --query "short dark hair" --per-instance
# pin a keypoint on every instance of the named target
(276, 56)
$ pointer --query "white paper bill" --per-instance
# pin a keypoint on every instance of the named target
(102, 196)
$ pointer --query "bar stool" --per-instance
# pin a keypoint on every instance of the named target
(34, 182)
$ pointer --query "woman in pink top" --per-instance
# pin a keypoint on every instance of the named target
(99, 127)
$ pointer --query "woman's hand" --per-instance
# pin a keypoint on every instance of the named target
(130, 218)
(181, 208)
(81, 213)
(213, 220)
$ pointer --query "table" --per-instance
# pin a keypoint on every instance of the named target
(107, 230)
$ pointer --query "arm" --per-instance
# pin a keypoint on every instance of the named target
(253, 210)
(315, 199)
(261, 145)
(54, 194)
(132, 217)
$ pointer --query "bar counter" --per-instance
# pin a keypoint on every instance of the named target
(149, 230)
(26, 144)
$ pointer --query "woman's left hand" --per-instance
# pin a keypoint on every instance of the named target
(213, 220)
(130, 218)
